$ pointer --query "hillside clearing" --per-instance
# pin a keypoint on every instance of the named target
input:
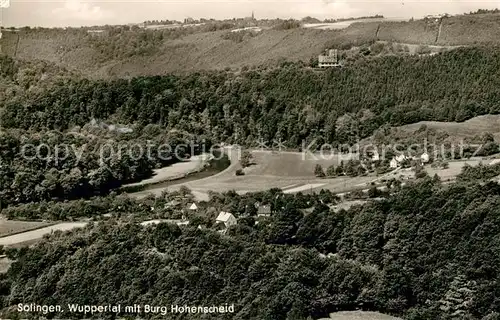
(38, 233)
(347, 23)
(9, 227)
(177, 170)
(470, 128)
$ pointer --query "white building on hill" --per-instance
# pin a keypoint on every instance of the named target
(329, 60)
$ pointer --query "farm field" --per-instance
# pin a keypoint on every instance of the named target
(38, 233)
(454, 168)
(294, 172)
(9, 227)
(472, 127)
(176, 170)
(291, 171)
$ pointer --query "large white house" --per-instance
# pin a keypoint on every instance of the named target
(329, 60)
(226, 218)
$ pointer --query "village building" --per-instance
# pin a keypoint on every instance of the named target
(193, 207)
(226, 218)
(172, 204)
(264, 211)
(330, 59)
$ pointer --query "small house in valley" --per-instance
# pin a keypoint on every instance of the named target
(264, 211)
(226, 218)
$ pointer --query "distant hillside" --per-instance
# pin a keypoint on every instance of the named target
(126, 51)
(97, 54)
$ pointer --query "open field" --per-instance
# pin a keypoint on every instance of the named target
(454, 168)
(176, 170)
(285, 163)
(38, 233)
(359, 315)
(9, 227)
(470, 128)
(293, 171)
(345, 24)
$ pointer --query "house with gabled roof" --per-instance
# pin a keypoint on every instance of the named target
(226, 218)
(264, 211)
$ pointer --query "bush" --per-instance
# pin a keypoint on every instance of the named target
(240, 172)
(319, 172)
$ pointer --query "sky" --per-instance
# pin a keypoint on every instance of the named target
(87, 13)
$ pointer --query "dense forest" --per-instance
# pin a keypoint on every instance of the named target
(89, 161)
(430, 251)
(291, 103)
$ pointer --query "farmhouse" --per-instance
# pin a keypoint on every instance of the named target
(329, 60)
(264, 211)
(226, 218)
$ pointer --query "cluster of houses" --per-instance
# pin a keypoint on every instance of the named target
(397, 161)
(226, 219)
(223, 221)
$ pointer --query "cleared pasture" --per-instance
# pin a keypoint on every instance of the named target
(344, 24)
(9, 227)
(176, 170)
(470, 128)
(38, 233)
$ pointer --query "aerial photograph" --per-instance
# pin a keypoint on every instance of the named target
(250, 159)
